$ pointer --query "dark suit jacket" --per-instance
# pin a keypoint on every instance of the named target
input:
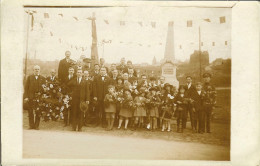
(79, 91)
(198, 100)
(126, 71)
(33, 86)
(131, 79)
(121, 69)
(100, 87)
(89, 85)
(189, 92)
(63, 70)
(113, 81)
(66, 89)
(93, 74)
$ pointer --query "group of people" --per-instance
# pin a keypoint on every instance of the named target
(117, 97)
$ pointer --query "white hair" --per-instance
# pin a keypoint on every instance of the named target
(36, 66)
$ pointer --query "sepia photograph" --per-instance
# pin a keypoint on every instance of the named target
(129, 83)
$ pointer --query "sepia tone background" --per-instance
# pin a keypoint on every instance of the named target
(238, 104)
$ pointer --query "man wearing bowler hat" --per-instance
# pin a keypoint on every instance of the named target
(210, 99)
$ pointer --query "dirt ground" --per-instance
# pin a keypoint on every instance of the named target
(85, 145)
(55, 141)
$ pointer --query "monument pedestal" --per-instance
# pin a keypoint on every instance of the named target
(169, 72)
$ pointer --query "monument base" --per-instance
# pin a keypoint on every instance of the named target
(169, 73)
(173, 81)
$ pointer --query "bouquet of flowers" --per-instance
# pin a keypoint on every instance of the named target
(155, 101)
(127, 102)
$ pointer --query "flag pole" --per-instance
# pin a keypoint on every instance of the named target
(30, 13)
(200, 52)
(26, 50)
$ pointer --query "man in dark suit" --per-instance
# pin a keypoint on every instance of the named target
(114, 77)
(64, 67)
(112, 68)
(52, 77)
(190, 89)
(33, 88)
(210, 100)
(100, 89)
(129, 65)
(131, 76)
(94, 73)
(198, 111)
(122, 67)
(102, 64)
(80, 93)
(88, 85)
(67, 91)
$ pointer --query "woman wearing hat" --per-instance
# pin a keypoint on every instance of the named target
(167, 107)
(140, 111)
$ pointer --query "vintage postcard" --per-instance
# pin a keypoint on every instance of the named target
(130, 83)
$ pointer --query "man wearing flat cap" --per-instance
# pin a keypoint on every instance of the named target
(210, 99)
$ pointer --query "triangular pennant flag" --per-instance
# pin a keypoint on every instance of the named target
(170, 23)
(106, 21)
(51, 33)
(122, 23)
(222, 19)
(225, 42)
(46, 15)
(207, 20)
(60, 15)
(189, 23)
(140, 23)
(213, 43)
(153, 24)
(76, 18)
(41, 25)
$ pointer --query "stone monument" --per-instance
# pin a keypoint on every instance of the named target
(169, 63)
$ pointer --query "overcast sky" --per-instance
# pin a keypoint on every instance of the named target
(78, 33)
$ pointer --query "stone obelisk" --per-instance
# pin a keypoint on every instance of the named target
(94, 50)
(169, 63)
